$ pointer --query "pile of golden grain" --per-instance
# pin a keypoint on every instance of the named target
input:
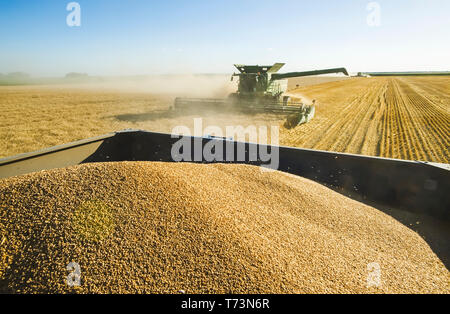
(171, 227)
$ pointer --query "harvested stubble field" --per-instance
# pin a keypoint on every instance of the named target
(167, 227)
(397, 117)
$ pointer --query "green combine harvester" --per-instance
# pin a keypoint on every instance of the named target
(260, 89)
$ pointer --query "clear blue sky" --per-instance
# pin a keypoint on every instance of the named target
(127, 37)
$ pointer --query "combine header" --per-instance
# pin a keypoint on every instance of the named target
(261, 89)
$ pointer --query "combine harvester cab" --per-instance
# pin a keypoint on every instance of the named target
(261, 89)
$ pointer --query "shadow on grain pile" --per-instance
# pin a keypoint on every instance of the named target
(165, 227)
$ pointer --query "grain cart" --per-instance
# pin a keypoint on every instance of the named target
(410, 191)
(260, 89)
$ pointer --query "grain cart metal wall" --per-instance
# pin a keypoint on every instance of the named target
(413, 186)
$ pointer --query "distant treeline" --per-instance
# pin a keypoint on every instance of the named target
(21, 78)
(14, 78)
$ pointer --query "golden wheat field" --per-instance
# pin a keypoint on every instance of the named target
(397, 117)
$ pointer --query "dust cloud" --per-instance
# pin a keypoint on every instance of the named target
(194, 85)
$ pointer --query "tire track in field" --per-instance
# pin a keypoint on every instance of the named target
(357, 129)
(334, 101)
(335, 135)
(397, 140)
(382, 148)
(373, 138)
(411, 141)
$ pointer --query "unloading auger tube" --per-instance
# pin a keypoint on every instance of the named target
(260, 89)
